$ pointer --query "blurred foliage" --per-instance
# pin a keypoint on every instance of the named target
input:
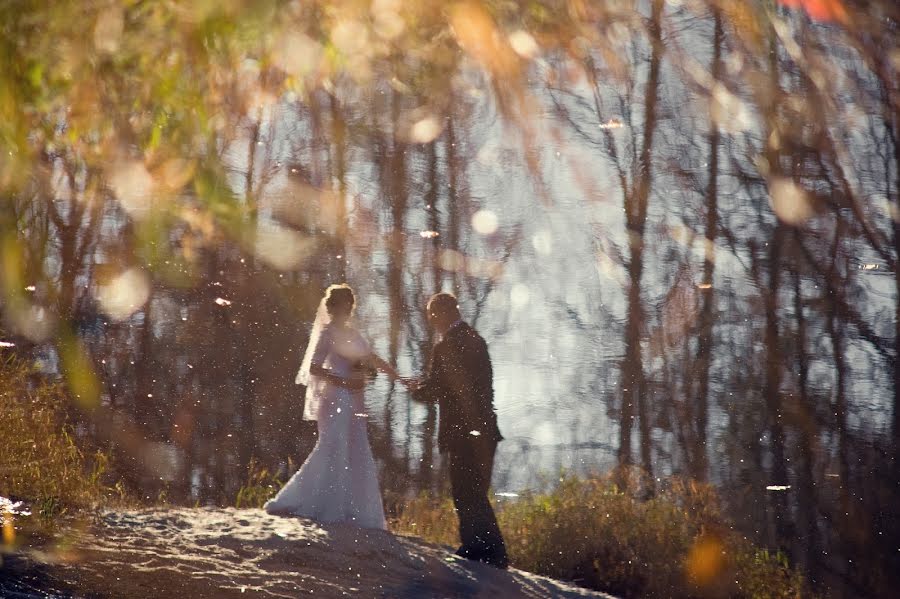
(139, 98)
(261, 485)
(41, 462)
(137, 101)
(606, 534)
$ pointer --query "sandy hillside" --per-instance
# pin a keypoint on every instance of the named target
(223, 553)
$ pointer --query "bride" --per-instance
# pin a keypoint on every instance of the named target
(338, 481)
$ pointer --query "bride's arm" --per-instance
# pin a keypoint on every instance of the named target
(383, 366)
(321, 351)
(319, 371)
(389, 370)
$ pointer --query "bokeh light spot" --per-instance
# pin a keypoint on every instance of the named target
(519, 295)
(790, 202)
(706, 560)
(133, 185)
(297, 54)
(728, 111)
(108, 30)
(350, 37)
(282, 248)
(452, 260)
(542, 242)
(485, 222)
(387, 22)
(124, 294)
(524, 44)
(9, 529)
(34, 322)
(426, 130)
(79, 373)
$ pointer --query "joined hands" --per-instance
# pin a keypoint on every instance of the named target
(410, 383)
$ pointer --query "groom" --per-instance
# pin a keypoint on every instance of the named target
(460, 382)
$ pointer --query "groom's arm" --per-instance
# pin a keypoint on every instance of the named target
(428, 389)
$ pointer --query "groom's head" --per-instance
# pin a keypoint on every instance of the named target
(442, 311)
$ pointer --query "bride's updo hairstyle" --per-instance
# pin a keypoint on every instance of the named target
(339, 295)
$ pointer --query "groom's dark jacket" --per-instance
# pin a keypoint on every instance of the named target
(460, 382)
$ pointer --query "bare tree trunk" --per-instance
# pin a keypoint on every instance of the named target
(894, 132)
(636, 218)
(699, 465)
(339, 143)
(145, 404)
(426, 468)
(772, 385)
(773, 375)
(394, 183)
(454, 198)
(67, 230)
(807, 501)
(241, 347)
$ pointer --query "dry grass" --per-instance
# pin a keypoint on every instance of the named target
(613, 537)
(40, 461)
(608, 533)
(261, 486)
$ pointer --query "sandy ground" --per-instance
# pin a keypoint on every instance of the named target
(226, 552)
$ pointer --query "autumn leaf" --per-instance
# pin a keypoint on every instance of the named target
(820, 10)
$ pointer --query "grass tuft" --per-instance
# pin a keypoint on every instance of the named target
(41, 462)
(608, 533)
(261, 485)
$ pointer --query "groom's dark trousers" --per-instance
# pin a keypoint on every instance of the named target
(470, 479)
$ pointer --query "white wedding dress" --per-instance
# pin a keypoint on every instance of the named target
(338, 482)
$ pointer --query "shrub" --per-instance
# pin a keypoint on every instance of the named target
(610, 534)
(261, 486)
(427, 516)
(40, 461)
